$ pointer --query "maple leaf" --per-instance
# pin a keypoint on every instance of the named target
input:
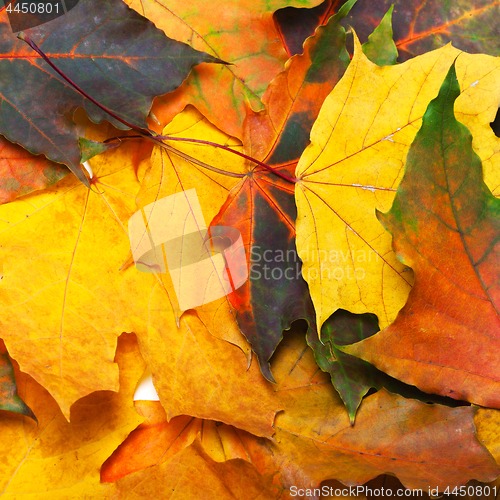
(418, 26)
(197, 374)
(169, 173)
(392, 434)
(294, 24)
(380, 47)
(276, 294)
(445, 338)
(57, 459)
(279, 137)
(37, 108)
(154, 440)
(220, 321)
(157, 440)
(422, 27)
(70, 288)
(175, 342)
(221, 94)
(351, 376)
(411, 438)
(261, 198)
(194, 474)
(62, 295)
(354, 164)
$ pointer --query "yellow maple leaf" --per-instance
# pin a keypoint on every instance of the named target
(63, 300)
(58, 459)
(197, 374)
(355, 162)
(169, 174)
(196, 369)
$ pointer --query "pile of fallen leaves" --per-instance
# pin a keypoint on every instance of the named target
(362, 174)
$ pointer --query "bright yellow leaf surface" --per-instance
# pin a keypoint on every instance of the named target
(61, 460)
(170, 174)
(356, 161)
(63, 300)
(195, 372)
(239, 32)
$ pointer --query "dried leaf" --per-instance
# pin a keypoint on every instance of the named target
(262, 199)
(169, 174)
(244, 35)
(193, 474)
(276, 294)
(423, 445)
(487, 423)
(96, 34)
(61, 460)
(149, 444)
(294, 25)
(445, 339)
(156, 440)
(62, 294)
(199, 375)
(354, 165)
(351, 376)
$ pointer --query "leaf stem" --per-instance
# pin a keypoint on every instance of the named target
(34, 46)
(195, 160)
(226, 148)
(157, 139)
(208, 143)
